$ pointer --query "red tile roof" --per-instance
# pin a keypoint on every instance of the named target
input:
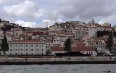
(85, 27)
(28, 40)
(56, 48)
(78, 48)
(82, 48)
(16, 29)
(98, 25)
(107, 27)
(36, 33)
(86, 37)
(78, 42)
(61, 32)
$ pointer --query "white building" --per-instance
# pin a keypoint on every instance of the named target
(26, 47)
(59, 40)
(99, 44)
(114, 27)
(80, 34)
(4, 23)
(106, 24)
(16, 31)
(92, 28)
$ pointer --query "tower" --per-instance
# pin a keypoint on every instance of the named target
(92, 28)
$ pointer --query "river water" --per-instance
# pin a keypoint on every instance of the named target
(77, 68)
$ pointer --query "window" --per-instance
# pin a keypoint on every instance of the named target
(97, 43)
(10, 49)
(15, 53)
(31, 45)
(10, 45)
(26, 49)
(37, 45)
(16, 34)
(31, 49)
(21, 45)
(10, 53)
(26, 53)
(21, 49)
(26, 45)
(16, 49)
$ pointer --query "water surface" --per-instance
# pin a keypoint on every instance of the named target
(77, 68)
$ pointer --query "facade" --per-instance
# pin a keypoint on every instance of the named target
(26, 47)
(16, 31)
(59, 40)
(107, 24)
(98, 44)
(27, 42)
(80, 34)
(4, 23)
(76, 46)
(56, 49)
(92, 28)
(81, 47)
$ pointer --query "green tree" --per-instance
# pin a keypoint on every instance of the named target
(0, 20)
(48, 52)
(109, 43)
(4, 45)
(67, 45)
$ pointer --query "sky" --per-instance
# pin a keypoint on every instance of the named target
(42, 13)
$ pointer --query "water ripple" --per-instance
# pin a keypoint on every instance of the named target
(77, 68)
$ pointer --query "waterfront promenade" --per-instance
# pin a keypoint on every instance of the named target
(56, 60)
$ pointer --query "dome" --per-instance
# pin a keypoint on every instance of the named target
(91, 22)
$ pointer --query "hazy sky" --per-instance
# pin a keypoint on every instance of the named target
(37, 13)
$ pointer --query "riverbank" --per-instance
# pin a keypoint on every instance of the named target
(56, 60)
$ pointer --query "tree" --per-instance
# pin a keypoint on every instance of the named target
(67, 45)
(4, 45)
(48, 52)
(0, 20)
(109, 43)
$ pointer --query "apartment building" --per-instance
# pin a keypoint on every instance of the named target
(26, 47)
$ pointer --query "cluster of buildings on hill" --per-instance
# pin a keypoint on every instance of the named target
(42, 41)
